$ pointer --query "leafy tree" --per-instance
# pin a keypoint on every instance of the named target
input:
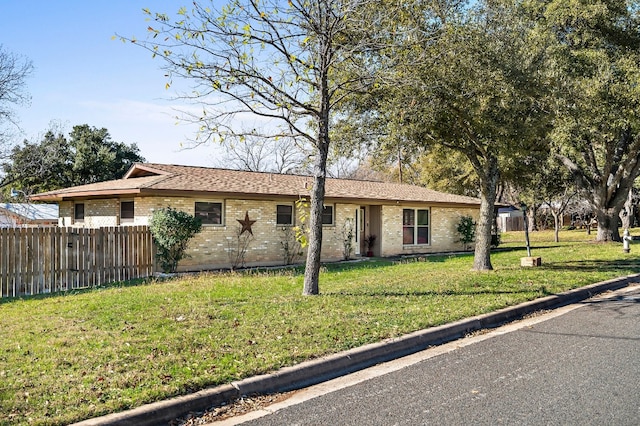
(473, 84)
(594, 53)
(95, 157)
(446, 170)
(277, 62)
(87, 156)
(551, 190)
(556, 188)
(38, 167)
(171, 230)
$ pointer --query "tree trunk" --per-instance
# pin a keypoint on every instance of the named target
(324, 58)
(556, 225)
(312, 268)
(606, 204)
(608, 189)
(625, 218)
(532, 211)
(626, 213)
(608, 225)
(488, 182)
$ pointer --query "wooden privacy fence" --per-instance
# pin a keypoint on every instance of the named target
(45, 260)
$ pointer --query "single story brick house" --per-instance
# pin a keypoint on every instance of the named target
(405, 219)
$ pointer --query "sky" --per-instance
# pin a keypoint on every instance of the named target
(84, 76)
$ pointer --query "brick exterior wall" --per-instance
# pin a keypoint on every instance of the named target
(97, 213)
(215, 245)
(442, 230)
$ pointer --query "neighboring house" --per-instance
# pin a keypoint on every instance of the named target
(21, 215)
(510, 219)
(405, 219)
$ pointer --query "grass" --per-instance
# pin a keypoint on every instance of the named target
(68, 357)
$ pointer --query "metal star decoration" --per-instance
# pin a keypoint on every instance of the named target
(246, 224)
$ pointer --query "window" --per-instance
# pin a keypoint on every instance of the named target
(284, 214)
(327, 215)
(415, 226)
(78, 212)
(126, 211)
(209, 213)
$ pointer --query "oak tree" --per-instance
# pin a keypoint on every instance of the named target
(594, 54)
(87, 155)
(472, 84)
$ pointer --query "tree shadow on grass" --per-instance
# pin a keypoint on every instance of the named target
(594, 265)
(542, 291)
(524, 248)
(62, 293)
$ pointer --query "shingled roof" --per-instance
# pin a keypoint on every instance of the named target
(33, 212)
(155, 179)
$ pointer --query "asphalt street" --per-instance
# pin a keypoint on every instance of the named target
(577, 366)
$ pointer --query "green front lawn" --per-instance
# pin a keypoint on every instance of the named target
(68, 357)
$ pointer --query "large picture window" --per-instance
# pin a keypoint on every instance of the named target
(284, 214)
(209, 213)
(415, 226)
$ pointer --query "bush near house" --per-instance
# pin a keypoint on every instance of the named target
(172, 229)
(466, 229)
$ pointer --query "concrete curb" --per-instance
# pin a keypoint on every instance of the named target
(332, 366)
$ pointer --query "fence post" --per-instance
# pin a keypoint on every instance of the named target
(4, 267)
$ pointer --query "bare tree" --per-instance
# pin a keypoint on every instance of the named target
(280, 64)
(14, 70)
(258, 155)
(558, 205)
(582, 214)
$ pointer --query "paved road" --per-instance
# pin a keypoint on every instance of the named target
(576, 366)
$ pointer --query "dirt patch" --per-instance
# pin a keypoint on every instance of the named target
(237, 407)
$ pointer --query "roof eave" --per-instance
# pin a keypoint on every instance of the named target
(64, 196)
(208, 194)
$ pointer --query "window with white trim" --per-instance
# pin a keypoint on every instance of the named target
(284, 214)
(415, 226)
(209, 213)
